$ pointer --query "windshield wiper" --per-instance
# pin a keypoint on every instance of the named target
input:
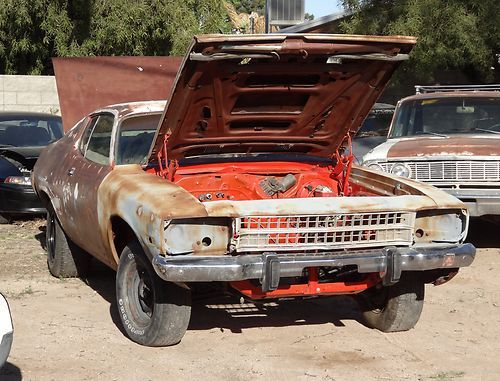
(431, 133)
(485, 130)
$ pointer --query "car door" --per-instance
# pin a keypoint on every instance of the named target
(84, 174)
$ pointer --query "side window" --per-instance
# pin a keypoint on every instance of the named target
(96, 140)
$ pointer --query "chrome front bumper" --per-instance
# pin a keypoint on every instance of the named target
(270, 267)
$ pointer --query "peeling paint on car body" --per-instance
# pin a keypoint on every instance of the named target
(452, 146)
(247, 216)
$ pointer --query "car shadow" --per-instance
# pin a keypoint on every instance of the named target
(10, 372)
(102, 281)
(483, 233)
(214, 308)
(232, 313)
(41, 237)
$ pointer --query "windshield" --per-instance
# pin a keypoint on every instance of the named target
(376, 123)
(29, 130)
(445, 116)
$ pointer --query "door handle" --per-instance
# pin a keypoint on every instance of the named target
(71, 171)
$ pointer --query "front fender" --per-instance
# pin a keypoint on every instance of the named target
(143, 201)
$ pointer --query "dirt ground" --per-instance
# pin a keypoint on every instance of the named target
(69, 330)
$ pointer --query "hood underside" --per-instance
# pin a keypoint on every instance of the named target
(299, 94)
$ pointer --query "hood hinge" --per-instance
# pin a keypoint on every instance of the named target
(342, 168)
(166, 169)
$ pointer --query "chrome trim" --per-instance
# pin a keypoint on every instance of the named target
(323, 232)
(189, 268)
(422, 89)
(465, 171)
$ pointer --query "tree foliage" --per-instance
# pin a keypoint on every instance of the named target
(461, 35)
(33, 31)
(249, 6)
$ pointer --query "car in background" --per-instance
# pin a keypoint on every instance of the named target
(23, 135)
(6, 330)
(447, 136)
(373, 131)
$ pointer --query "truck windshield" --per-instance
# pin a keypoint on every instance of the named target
(447, 115)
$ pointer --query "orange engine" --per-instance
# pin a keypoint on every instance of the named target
(252, 181)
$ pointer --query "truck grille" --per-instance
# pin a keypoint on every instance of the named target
(326, 232)
(463, 171)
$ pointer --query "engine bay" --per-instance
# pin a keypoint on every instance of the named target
(264, 180)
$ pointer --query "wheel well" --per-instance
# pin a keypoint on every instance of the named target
(122, 234)
(45, 199)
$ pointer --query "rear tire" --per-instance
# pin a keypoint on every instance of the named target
(395, 308)
(153, 312)
(64, 258)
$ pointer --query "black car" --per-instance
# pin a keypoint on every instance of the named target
(23, 135)
(373, 131)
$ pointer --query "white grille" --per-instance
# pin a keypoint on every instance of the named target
(463, 171)
(328, 232)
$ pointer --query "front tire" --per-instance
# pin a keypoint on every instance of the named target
(153, 312)
(64, 258)
(394, 308)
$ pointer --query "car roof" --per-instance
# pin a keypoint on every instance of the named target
(453, 94)
(28, 113)
(134, 108)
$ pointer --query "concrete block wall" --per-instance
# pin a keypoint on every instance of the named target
(29, 93)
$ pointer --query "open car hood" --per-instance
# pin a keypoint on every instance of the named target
(292, 94)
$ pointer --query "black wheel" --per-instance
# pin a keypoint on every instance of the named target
(153, 312)
(64, 258)
(4, 219)
(394, 308)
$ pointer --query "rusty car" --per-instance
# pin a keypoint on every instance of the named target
(242, 178)
(448, 136)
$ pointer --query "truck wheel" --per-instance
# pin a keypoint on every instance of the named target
(153, 312)
(394, 308)
(64, 258)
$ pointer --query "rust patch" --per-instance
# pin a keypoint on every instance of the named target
(450, 146)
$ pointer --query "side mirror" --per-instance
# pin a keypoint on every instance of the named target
(6, 330)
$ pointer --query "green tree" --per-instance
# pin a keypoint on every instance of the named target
(308, 17)
(33, 31)
(459, 35)
(249, 6)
